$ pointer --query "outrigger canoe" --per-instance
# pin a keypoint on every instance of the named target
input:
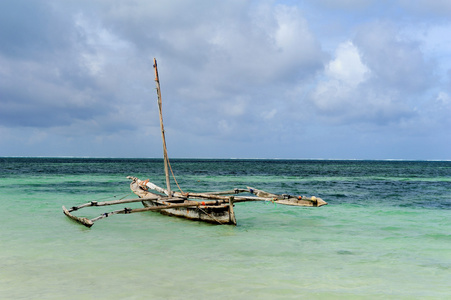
(210, 207)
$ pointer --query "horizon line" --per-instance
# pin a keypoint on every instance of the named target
(230, 158)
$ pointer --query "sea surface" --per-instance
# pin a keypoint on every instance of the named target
(385, 234)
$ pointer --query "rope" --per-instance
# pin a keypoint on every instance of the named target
(174, 177)
(183, 193)
(114, 196)
(209, 215)
(126, 196)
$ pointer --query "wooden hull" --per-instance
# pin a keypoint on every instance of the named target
(215, 215)
(220, 214)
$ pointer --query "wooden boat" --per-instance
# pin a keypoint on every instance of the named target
(218, 211)
(210, 207)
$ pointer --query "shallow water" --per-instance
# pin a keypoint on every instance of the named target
(386, 232)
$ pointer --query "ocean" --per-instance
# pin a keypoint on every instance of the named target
(385, 233)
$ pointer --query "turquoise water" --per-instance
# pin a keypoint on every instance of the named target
(386, 233)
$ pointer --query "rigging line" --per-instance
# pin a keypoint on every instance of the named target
(174, 177)
(114, 196)
(126, 195)
(209, 215)
(169, 164)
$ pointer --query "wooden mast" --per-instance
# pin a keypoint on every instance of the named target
(165, 151)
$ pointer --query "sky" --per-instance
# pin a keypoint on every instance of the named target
(314, 79)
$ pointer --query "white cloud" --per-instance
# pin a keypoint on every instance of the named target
(268, 44)
(350, 91)
(347, 67)
(294, 41)
(101, 46)
(337, 91)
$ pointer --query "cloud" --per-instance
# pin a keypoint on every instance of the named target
(429, 8)
(347, 67)
(339, 91)
(378, 77)
(351, 5)
(397, 62)
(57, 84)
(436, 114)
(27, 29)
(246, 58)
(248, 75)
(222, 70)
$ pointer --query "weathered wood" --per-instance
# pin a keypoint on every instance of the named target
(211, 211)
(234, 191)
(112, 202)
(290, 200)
(232, 218)
(156, 208)
(260, 195)
(160, 108)
(153, 208)
(263, 194)
(89, 223)
(199, 195)
(84, 221)
(225, 198)
(214, 200)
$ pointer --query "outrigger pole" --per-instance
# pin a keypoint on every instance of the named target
(165, 151)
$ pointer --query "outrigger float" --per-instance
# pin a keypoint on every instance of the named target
(210, 207)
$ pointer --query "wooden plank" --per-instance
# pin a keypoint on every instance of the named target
(151, 208)
(112, 202)
(89, 223)
(290, 200)
(156, 208)
(197, 195)
(234, 191)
